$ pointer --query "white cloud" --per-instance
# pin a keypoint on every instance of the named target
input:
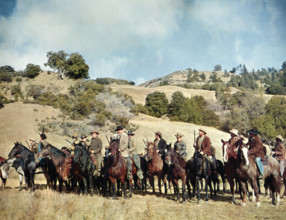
(94, 28)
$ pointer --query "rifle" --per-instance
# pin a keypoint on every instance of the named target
(194, 137)
(68, 141)
(145, 142)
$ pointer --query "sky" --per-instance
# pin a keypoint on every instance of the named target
(141, 40)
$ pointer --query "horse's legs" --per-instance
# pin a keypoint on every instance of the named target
(130, 188)
(151, 180)
(208, 183)
(184, 188)
(198, 188)
(91, 188)
(189, 187)
(21, 181)
(60, 185)
(243, 184)
(32, 173)
(231, 184)
(255, 187)
(165, 185)
(159, 184)
(123, 187)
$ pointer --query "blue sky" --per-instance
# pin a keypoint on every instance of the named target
(141, 40)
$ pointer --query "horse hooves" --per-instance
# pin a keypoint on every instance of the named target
(243, 204)
(258, 204)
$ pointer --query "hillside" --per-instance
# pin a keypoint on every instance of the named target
(180, 78)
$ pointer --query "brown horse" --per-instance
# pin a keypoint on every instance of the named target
(177, 170)
(116, 169)
(156, 167)
(62, 163)
(246, 170)
(229, 159)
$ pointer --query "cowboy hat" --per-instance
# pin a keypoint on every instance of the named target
(253, 131)
(83, 136)
(279, 137)
(159, 133)
(94, 131)
(200, 129)
(130, 133)
(75, 135)
(234, 131)
(178, 135)
(43, 136)
(118, 128)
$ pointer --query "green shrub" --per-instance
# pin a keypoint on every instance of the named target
(16, 90)
(120, 120)
(157, 104)
(32, 70)
(5, 77)
(34, 90)
(138, 108)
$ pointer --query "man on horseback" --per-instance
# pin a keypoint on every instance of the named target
(160, 144)
(123, 147)
(203, 145)
(279, 153)
(95, 150)
(256, 151)
(84, 142)
(75, 142)
(180, 146)
(235, 139)
(133, 151)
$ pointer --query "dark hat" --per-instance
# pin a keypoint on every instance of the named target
(43, 136)
(119, 128)
(94, 131)
(75, 135)
(130, 133)
(203, 130)
(83, 136)
(253, 131)
(159, 133)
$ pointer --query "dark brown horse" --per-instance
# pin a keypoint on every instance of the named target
(156, 167)
(246, 170)
(116, 169)
(177, 170)
(62, 163)
(229, 159)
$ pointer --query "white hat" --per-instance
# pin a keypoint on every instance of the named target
(234, 131)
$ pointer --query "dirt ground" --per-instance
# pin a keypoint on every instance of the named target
(47, 204)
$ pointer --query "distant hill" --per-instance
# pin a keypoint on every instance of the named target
(181, 77)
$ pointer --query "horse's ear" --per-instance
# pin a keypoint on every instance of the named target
(222, 141)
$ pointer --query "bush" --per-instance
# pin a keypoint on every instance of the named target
(120, 120)
(157, 104)
(32, 70)
(138, 108)
(34, 90)
(5, 77)
(16, 90)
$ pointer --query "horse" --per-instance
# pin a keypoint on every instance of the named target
(61, 162)
(202, 169)
(156, 167)
(246, 170)
(229, 159)
(177, 170)
(3, 171)
(49, 171)
(29, 163)
(87, 168)
(18, 164)
(116, 169)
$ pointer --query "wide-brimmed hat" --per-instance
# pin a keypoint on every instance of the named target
(159, 133)
(130, 133)
(43, 136)
(279, 137)
(253, 131)
(178, 135)
(94, 131)
(118, 128)
(234, 131)
(83, 136)
(203, 130)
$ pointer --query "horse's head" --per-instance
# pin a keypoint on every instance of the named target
(198, 162)
(225, 150)
(169, 155)
(77, 153)
(150, 150)
(114, 146)
(16, 150)
(242, 154)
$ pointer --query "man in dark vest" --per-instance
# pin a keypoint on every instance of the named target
(84, 142)
(203, 145)
(160, 144)
(95, 150)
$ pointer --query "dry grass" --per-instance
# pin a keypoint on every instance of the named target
(46, 204)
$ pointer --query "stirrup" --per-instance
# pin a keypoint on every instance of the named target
(129, 176)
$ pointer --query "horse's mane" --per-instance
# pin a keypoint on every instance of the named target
(23, 147)
(58, 151)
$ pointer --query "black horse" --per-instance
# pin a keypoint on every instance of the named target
(221, 172)
(202, 169)
(29, 163)
(50, 172)
(87, 167)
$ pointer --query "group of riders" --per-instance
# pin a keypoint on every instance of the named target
(202, 144)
